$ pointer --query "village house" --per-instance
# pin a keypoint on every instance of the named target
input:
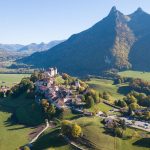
(4, 89)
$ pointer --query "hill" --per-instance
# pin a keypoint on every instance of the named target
(30, 48)
(11, 47)
(117, 41)
(33, 47)
(11, 52)
(6, 56)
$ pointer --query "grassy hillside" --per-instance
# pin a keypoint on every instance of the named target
(103, 141)
(25, 110)
(99, 139)
(104, 85)
(51, 139)
(10, 132)
(11, 79)
(136, 74)
(10, 129)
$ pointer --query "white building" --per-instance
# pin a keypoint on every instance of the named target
(52, 72)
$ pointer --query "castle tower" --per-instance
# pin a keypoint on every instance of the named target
(55, 71)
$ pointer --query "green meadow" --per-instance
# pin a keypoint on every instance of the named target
(95, 135)
(103, 85)
(11, 79)
(102, 141)
(136, 74)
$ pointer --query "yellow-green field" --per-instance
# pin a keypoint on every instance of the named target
(11, 79)
(103, 85)
(136, 74)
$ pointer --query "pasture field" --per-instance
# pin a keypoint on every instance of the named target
(50, 139)
(103, 85)
(94, 132)
(136, 74)
(101, 107)
(11, 79)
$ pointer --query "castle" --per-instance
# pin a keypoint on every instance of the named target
(52, 71)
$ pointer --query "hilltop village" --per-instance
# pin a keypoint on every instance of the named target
(66, 95)
(60, 95)
(66, 92)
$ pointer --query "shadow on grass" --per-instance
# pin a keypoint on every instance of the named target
(48, 140)
(11, 119)
(144, 142)
(107, 132)
(11, 122)
(124, 90)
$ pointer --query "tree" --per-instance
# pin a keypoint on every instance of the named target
(26, 84)
(51, 110)
(123, 124)
(120, 103)
(70, 129)
(44, 103)
(65, 76)
(130, 111)
(40, 76)
(129, 99)
(66, 127)
(1, 94)
(76, 130)
(81, 89)
(8, 92)
(118, 132)
(34, 77)
(26, 148)
(106, 96)
(134, 106)
(96, 97)
(90, 101)
(147, 115)
(83, 98)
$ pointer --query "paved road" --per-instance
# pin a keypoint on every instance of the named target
(138, 124)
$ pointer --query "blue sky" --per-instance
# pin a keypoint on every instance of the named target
(27, 21)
